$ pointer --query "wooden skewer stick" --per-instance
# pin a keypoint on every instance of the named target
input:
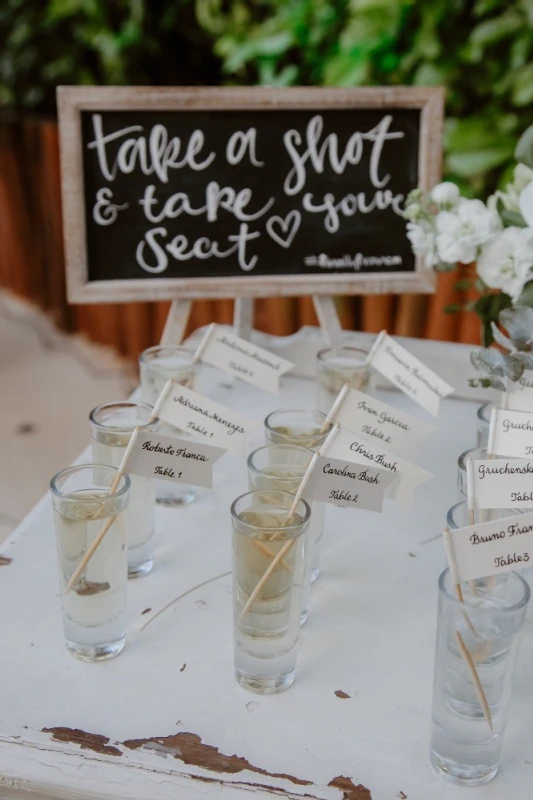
(266, 552)
(205, 341)
(287, 546)
(120, 472)
(335, 408)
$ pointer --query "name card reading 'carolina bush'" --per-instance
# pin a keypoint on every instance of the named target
(347, 484)
(511, 433)
(491, 547)
(179, 460)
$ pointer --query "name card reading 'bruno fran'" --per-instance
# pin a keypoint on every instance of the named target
(347, 484)
(500, 483)
(408, 373)
(511, 433)
(490, 547)
(383, 424)
(246, 361)
(173, 459)
(206, 420)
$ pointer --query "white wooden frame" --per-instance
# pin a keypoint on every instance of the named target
(74, 99)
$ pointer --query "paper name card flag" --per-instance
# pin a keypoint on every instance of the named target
(361, 450)
(490, 548)
(244, 360)
(408, 373)
(500, 483)
(510, 433)
(393, 429)
(344, 483)
(519, 394)
(206, 420)
(173, 459)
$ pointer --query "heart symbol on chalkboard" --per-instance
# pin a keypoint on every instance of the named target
(289, 228)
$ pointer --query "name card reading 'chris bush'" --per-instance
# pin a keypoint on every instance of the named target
(393, 429)
(361, 450)
(511, 433)
(179, 460)
(243, 359)
(409, 374)
(500, 483)
(206, 420)
(491, 547)
(520, 393)
(342, 483)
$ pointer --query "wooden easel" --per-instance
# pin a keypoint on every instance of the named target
(180, 310)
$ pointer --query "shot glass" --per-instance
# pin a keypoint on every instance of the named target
(302, 427)
(338, 365)
(93, 610)
(112, 425)
(483, 424)
(281, 467)
(463, 748)
(267, 588)
(156, 366)
(474, 454)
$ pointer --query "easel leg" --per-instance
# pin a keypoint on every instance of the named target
(177, 320)
(243, 316)
(328, 318)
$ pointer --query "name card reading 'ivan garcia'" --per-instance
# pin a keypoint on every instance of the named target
(206, 420)
(511, 433)
(490, 547)
(244, 360)
(500, 483)
(383, 424)
(408, 373)
(179, 460)
(347, 484)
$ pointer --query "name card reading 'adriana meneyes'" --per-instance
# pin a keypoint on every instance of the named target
(343, 483)
(500, 483)
(206, 420)
(490, 548)
(361, 450)
(510, 433)
(519, 395)
(246, 361)
(393, 429)
(408, 373)
(179, 460)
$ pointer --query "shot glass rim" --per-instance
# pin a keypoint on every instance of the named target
(122, 488)
(461, 461)
(124, 403)
(473, 602)
(269, 426)
(449, 514)
(272, 445)
(322, 354)
(175, 348)
(481, 410)
(293, 527)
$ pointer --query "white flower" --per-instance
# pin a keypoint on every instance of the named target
(445, 194)
(510, 197)
(525, 203)
(422, 238)
(461, 232)
(413, 212)
(506, 262)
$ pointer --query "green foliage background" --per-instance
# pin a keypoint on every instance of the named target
(481, 50)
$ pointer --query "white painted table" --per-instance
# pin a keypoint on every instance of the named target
(167, 721)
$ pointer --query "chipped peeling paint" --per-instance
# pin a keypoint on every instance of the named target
(349, 790)
(4, 561)
(87, 741)
(342, 695)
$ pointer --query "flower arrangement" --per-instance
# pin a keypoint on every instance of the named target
(515, 352)
(495, 239)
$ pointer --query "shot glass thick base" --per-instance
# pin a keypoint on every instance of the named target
(175, 495)
(262, 684)
(100, 652)
(462, 774)
(315, 573)
(141, 569)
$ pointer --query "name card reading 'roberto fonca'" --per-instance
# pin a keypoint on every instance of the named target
(409, 374)
(393, 429)
(361, 450)
(243, 359)
(519, 395)
(343, 483)
(511, 433)
(491, 547)
(206, 420)
(179, 460)
(500, 483)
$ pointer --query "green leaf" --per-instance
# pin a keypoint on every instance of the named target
(471, 163)
(512, 218)
(463, 285)
(524, 149)
(452, 308)
(526, 298)
(522, 93)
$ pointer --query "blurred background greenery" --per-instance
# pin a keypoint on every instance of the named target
(481, 50)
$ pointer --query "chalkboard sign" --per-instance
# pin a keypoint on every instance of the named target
(186, 192)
